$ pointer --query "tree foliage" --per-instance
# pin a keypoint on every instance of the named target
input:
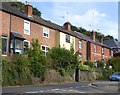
(85, 32)
(108, 37)
(62, 60)
(81, 30)
(100, 64)
(37, 60)
(115, 63)
(83, 67)
(20, 6)
(89, 63)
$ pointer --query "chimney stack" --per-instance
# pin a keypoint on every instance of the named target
(93, 35)
(67, 26)
(28, 9)
(101, 39)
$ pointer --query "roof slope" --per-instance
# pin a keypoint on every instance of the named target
(112, 43)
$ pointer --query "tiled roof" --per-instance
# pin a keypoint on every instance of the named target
(87, 38)
(112, 43)
(7, 8)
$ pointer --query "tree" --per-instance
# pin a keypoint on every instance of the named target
(108, 37)
(115, 63)
(62, 60)
(37, 59)
(89, 63)
(74, 28)
(20, 6)
(85, 32)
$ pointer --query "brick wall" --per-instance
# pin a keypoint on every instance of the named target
(5, 26)
(5, 23)
(82, 51)
(36, 30)
(98, 53)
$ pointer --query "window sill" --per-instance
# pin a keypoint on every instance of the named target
(45, 37)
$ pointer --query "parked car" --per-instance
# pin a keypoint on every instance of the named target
(115, 77)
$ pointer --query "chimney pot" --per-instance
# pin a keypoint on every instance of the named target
(101, 39)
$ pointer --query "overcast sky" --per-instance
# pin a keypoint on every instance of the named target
(89, 15)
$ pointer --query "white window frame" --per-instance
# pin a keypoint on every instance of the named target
(3, 37)
(18, 49)
(26, 27)
(95, 48)
(27, 42)
(80, 44)
(102, 51)
(95, 59)
(45, 31)
(80, 56)
(45, 48)
(67, 38)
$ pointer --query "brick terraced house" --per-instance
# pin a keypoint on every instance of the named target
(19, 28)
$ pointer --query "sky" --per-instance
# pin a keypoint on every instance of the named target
(97, 16)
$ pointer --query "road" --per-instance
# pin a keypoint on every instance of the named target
(81, 87)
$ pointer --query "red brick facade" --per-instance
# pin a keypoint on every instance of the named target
(83, 50)
(108, 53)
(17, 25)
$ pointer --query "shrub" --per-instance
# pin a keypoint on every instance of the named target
(89, 63)
(100, 64)
(83, 67)
(107, 73)
(62, 60)
(16, 71)
(115, 63)
(103, 74)
(37, 60)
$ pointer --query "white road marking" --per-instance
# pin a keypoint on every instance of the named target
(32, 92)
(57, 90)
(83, 86)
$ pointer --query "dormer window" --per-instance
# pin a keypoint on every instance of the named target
(46, 32)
